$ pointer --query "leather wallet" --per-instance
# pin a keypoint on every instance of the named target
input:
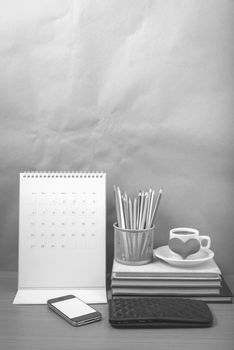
(159, 312)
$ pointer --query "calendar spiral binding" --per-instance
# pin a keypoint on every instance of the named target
(62, 174)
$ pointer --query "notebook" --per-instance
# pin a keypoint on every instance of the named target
(160, 269)
(225, 295)
(62, 237)
(164, 291)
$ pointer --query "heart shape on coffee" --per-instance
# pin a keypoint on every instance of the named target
(184, 249)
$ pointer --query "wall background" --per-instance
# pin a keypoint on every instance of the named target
(140, 89)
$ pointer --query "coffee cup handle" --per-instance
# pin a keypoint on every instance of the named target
(205, 238)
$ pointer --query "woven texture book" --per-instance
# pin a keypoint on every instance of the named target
(62, 236)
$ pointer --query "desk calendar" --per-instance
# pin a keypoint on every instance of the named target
(62, 243)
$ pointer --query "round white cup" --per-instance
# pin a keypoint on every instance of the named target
(187, 236)
(186, 233)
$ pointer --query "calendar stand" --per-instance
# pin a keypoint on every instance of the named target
(62, 237)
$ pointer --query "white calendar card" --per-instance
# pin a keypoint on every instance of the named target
(62, 236)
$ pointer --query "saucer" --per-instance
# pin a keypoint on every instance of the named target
(171, 258)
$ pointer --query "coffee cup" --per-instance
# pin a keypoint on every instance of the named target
(186, 241)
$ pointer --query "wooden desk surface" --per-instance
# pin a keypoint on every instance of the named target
(32, 327)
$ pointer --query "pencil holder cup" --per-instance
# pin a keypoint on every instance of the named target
(133, 247)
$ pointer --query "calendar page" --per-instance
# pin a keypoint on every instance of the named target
(62, 227)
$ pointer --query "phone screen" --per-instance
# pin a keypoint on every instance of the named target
(73, 307)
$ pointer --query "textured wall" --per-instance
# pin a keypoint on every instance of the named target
(140, 89)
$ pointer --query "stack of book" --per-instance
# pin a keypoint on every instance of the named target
(204, 282)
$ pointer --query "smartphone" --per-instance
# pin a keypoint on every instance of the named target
(73, 310)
